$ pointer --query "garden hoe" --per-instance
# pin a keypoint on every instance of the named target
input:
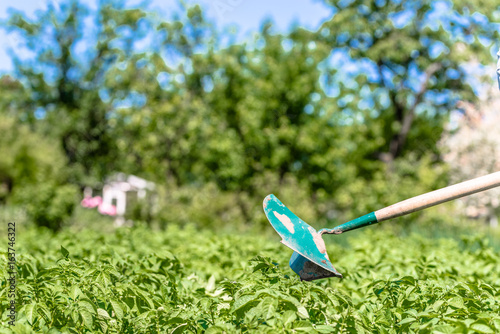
(310, 260)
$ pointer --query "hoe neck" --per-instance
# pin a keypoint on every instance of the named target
(362, 221)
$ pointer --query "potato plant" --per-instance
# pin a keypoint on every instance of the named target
(192, 281)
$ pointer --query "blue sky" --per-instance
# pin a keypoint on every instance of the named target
(245, 15)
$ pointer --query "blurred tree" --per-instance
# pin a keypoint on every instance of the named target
(235, 115)
(24, 157)
(408, 62)
(68, 86)
(248, 119)
(319, 117)
(14, 98)
(33, 174)
(395, 70)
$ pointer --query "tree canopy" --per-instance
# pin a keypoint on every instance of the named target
(319, 116)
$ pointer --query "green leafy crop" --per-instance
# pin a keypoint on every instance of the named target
(136, 281)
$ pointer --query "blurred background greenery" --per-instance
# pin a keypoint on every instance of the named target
(336, 121)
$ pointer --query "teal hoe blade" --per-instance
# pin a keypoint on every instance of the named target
(309, 260)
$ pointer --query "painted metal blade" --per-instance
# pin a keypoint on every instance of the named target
(304, 240)
(308, 270)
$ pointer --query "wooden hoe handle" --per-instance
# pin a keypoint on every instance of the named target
(421, 202)
(439, 196)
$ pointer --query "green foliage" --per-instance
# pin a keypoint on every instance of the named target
(409, 177)
(191, 280)
(66, 87)
(33, 175)
(410, 57)
(48, 204)
(26, 157)
(218, 126)
(208, 206)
